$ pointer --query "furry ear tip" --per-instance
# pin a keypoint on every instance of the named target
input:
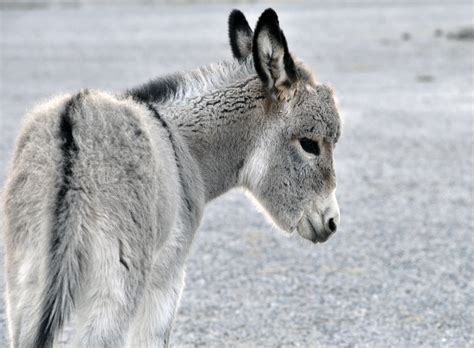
(235, 16)
(269, 15)
(269, 20)
(237, 21)
(235, 13)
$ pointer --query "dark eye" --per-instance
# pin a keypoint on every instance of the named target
(310, 146)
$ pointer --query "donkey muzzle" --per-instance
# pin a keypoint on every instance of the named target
(323, 222)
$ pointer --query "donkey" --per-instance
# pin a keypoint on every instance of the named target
(105, 192)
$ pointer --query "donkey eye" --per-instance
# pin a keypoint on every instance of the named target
(310, 146)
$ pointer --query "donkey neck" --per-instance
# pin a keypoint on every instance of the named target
(220, 128)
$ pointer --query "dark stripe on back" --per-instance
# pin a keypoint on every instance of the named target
(52, 316)
(157, 90)
(184, 183)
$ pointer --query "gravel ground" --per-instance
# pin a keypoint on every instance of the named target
(399, 272)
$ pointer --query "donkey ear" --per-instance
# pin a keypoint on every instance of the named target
(240, 35)
(273, 62)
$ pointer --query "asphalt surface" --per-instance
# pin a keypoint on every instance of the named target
(399, 271)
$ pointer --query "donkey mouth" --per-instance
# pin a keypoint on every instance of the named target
(318, 236)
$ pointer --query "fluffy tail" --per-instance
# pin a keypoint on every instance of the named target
(65, 259)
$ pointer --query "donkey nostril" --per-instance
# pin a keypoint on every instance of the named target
(332, 225)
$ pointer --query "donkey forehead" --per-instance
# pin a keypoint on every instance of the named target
(314, 108)
(319, 97)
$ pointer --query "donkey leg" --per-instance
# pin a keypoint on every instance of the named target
(104, 320)
(155, 315)
(11, 303)
(109, 300)
(23, 301)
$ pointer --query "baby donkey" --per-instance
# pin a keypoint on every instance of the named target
(105, 192)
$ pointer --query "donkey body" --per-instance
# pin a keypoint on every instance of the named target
(105, 192)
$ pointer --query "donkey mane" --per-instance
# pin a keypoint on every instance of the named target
(184, 85)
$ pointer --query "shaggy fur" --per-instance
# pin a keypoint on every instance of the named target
(105, 192)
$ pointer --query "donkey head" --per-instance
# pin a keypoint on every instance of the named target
(290, 168)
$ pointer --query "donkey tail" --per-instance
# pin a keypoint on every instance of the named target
(65, 258)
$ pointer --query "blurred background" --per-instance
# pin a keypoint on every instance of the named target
(399, 271)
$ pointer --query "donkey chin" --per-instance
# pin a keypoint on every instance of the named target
(320, 220)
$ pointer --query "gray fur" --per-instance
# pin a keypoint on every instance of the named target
(143, 171)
